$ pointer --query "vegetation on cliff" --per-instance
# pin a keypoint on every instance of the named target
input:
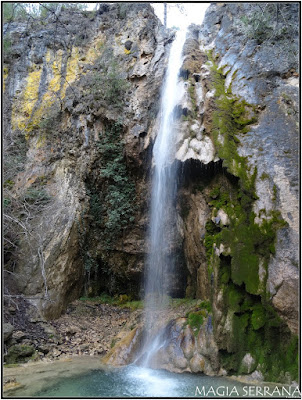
(79, 131)
(240, 267)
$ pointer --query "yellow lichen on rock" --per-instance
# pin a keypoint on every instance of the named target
(27, 114)
(21, 115)
(55, 83)
(72, 69)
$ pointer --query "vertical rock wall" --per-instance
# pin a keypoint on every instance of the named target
(238, 146)
(70, 82)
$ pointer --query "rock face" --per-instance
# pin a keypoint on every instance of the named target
(184, 344)
(81, 116)
(260, 77)
(240, 234)
(79, 194)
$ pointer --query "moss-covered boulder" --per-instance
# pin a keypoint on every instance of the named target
(19, 353)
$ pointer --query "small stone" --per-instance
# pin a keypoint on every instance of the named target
(248, 364)
(7, 331)
(72, 330)
(197, 363)
(257, 376)
(19, 335)
(128, 45)
(56, 353)
(43, 349)
(19, 352)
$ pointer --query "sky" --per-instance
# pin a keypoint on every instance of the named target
(192, 13)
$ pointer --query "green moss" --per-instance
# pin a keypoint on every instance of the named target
(195, 320)
(212, 236)
(256, 327)
(206, 305)
(11, 365)
(250, 243)
(258, 317)
(264, 176)
(274, 197)
(230, 118)
(19, 353)
(234, 298)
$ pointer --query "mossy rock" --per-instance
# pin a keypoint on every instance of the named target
(19, 353)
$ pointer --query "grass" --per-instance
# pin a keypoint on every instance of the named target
(122, 301)
(125, 301)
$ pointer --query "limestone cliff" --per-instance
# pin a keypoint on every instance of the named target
(81, 116)
(78, 109)
(238, 146)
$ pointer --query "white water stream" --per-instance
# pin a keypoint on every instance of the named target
(160, 263)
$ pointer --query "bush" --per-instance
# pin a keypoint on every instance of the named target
(119, 193)
(109, 85)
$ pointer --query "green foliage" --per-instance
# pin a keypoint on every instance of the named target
(206, 305)
(6, 202)
(256, 328)
(212, 237)
(7, 45)
(257, 25)
(117, 207)
(112, 210)
(47, 9)
(195, 320)
(196, 317)
(123, 301)
(14, 11)
(108, 84)
(264, 176)
(19, 353)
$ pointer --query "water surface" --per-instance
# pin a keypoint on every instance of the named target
(134, 381)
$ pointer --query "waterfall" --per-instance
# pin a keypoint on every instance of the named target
(160, 263)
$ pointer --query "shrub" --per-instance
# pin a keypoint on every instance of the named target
(108, 84)
(119, 193)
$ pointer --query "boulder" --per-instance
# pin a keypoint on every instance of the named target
(7, 331)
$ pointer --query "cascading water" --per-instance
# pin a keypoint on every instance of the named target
(160, 263)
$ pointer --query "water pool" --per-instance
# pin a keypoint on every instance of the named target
(90, 379)
(133, 381)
